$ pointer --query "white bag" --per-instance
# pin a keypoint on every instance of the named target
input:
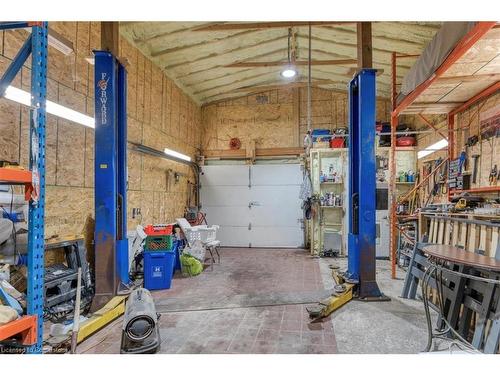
(197, 250)
(7, 314)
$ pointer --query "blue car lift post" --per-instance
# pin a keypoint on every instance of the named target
(37, 45)
(110, 237)
(362, 185)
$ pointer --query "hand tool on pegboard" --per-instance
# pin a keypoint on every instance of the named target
(493, 175)
(475, 166)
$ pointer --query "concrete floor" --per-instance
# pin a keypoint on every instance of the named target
(255, 300)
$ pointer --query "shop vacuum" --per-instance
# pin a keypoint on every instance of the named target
(141, 331)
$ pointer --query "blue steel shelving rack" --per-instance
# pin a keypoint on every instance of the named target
(36, 45)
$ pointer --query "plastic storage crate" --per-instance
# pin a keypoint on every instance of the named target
(158, 229)
(158, 243)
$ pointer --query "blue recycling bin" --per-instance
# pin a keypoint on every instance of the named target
(158, 269)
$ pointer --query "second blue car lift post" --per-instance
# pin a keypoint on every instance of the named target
(111, 244)
(362, 185)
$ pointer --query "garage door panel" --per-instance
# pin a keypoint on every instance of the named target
(276, 237)
(280, 174)
(225, 197)
(275, 216)
(222, 196)
(277, 195)
(234, 236)
(229, 175)
(235, 216)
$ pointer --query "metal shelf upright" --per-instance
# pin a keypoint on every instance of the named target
(37, 45)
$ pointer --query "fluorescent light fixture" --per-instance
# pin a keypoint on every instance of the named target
(58, 41)
(289, 72)
(24, 97)
(435, 147)
(176, 154)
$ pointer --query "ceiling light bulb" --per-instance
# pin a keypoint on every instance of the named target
(289, 72)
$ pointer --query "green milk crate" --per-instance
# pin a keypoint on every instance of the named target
(158, 243)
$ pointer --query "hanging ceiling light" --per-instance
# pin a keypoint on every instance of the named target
(289, 71)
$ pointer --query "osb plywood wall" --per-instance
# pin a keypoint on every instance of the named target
(159, 115)
(276, 118)
(473, 122)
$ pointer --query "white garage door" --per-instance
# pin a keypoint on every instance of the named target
(255, 205)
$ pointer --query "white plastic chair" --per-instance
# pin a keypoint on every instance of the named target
(203, 233)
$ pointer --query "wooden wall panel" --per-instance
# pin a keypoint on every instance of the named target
(70, 147)
(274, 118)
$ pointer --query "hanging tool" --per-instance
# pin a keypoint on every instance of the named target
(475, 167)
(494, 175)
(461, 204)
(462, 161)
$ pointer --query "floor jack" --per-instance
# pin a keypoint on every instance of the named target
(359, 281)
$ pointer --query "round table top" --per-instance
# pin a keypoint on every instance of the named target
(460, 256)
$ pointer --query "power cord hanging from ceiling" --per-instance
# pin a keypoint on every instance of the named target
(289, 46)
(309, 83)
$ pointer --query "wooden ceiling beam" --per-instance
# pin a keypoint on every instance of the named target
(110, 37)
(228, 52)
(208, 67)
(265, 25)
(203, 43)
(384, 67)
(364, 45)
(215, 78)
(384, 44)
(228, 88)
(469, 78)
(265, 64)
(351, 50)
(168, 33)
(287, 85)
(233, 82)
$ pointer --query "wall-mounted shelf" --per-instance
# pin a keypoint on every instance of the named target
(331, 183)
(485, 189)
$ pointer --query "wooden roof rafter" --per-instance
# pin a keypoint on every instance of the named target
(266, 25)
(226, 53)
(202, 43)
(259, 64)
(205, 69)
(168, 33)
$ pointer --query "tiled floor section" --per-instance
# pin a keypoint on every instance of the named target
(244, 277)
(246, 272)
